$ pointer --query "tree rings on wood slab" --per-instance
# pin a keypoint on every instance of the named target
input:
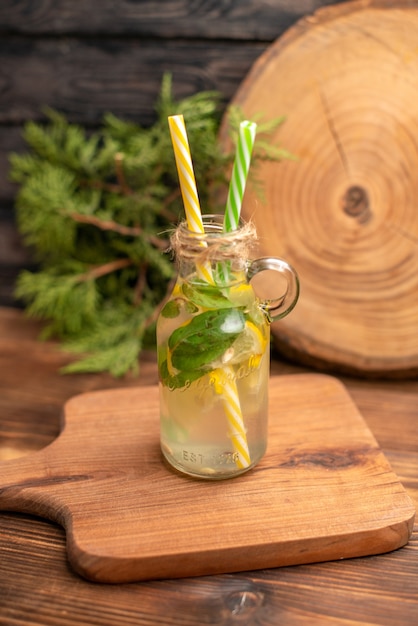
(344, 213)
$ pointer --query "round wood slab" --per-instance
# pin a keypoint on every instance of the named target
(345, 212)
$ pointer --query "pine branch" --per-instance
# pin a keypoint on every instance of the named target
(102, 270)
(119, 228)
(97, 209)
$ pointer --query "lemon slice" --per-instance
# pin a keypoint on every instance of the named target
(250, 343)
(241, 295)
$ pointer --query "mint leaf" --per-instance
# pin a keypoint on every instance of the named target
(171, 309)
(205, 295)
(205, 338)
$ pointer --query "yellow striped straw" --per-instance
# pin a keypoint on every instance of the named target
(188, 183)
(225, 384)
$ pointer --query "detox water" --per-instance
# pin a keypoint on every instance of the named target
(213, 355)
(213, 345)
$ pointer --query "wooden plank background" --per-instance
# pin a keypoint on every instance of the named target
(87, 58)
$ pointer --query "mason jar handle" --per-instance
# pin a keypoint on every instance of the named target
(277, 308)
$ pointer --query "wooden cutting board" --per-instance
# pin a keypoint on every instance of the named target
(344, 211)
(323, 491)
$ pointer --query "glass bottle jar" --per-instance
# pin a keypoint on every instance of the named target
(213, 346)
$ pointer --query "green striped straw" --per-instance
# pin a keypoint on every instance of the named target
(246, 137)
(237, 184)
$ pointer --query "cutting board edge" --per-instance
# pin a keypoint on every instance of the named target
(266, 556)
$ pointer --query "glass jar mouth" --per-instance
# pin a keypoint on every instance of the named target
(213, 226)
(214, 244)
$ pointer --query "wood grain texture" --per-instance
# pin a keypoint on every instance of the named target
(37, 586)
(344, 213)
(323, 491)
(86, 79)
(230, 19)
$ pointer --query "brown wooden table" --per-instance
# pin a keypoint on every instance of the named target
(37, 586)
